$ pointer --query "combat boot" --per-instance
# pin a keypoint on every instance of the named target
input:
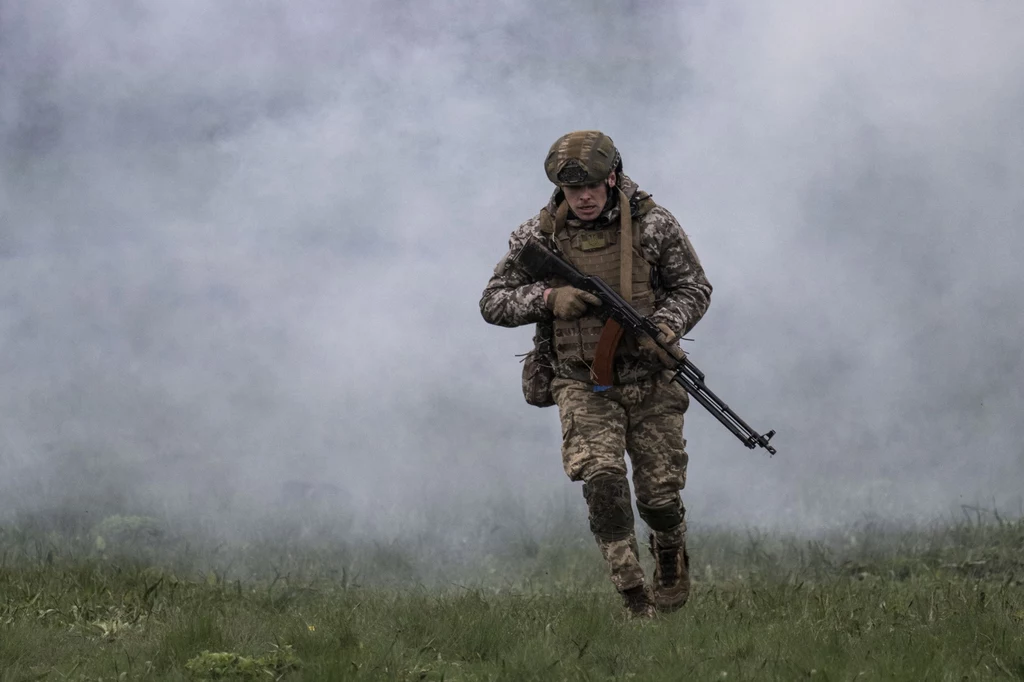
(671, 576)
(638, 603)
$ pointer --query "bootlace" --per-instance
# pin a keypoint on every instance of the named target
(668, 561)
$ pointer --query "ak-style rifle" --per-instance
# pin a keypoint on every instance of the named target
(542, 263)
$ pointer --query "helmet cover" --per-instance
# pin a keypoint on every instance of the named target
(580, 158)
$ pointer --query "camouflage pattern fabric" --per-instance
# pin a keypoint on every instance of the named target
(622, 557)
(682, 292)
(581, 157)
(641, 416)
(644, 418)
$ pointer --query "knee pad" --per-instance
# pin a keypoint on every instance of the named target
(611, 512)
(662, 518)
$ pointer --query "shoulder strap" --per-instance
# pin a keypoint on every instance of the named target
(547, 221)
(553, 224)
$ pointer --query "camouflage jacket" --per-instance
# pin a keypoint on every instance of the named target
(682, 292)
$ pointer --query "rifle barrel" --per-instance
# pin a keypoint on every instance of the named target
(542, 263)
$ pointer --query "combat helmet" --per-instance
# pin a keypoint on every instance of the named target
(583, 157)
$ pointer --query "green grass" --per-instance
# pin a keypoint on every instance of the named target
(867, 603)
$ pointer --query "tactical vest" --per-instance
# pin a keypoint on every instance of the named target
(599, 252)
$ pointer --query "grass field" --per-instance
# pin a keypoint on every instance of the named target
(133, 600)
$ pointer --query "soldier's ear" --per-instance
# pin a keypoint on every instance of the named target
(611, 180)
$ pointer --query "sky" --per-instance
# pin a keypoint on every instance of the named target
(244, 242)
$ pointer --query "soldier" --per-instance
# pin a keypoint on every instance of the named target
(602, 223)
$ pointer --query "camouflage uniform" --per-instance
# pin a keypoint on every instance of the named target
(642, 413)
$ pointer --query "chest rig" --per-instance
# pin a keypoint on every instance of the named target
(613, 253)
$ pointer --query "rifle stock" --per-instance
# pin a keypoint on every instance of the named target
(542, 263)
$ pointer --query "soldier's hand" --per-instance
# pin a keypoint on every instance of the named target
(666, 337)
(570, 303)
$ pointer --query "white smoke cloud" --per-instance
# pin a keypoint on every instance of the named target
(244, 242)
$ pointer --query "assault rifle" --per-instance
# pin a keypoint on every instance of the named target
(542, 263)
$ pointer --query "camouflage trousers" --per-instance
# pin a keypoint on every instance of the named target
(645, 419)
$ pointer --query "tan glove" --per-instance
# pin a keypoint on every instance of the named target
(653, 350)
(570, 303)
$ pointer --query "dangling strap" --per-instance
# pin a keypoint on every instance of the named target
(560, 215)
(626, 246)
(558, 232)
(552, 223)
(602, 372)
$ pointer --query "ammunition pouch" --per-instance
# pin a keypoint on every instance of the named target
(539, 369)
(538, 372)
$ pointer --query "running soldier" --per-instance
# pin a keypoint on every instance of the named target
(613, 397)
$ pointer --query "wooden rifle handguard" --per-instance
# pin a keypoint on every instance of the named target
(602, 372)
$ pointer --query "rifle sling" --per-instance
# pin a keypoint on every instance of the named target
(626, 246)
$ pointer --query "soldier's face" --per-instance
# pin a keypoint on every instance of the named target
(587, 201)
